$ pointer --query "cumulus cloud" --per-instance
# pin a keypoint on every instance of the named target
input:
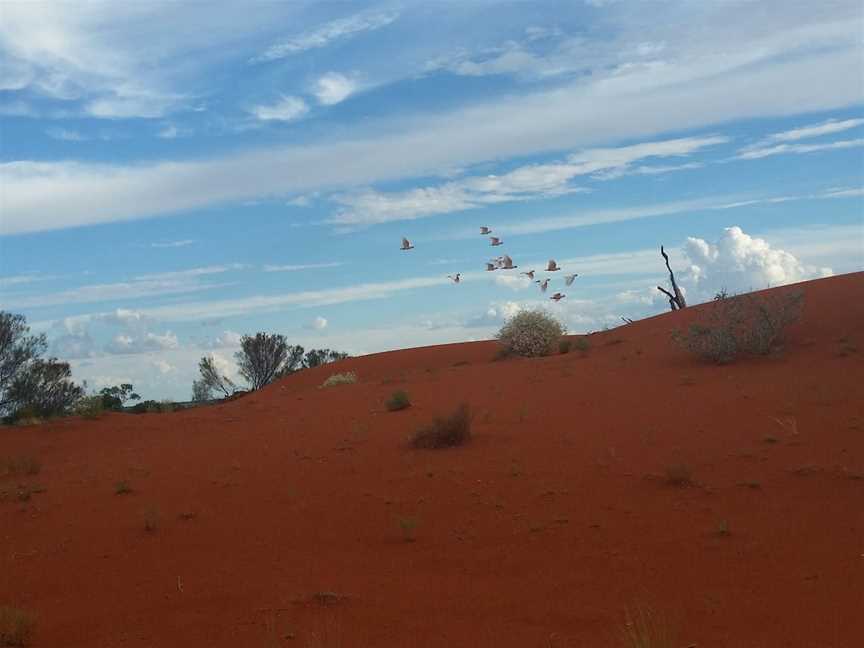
(225, 340)
(163, 366)
(333, 88)
(335, 30)
(286, 109)
(738, 262)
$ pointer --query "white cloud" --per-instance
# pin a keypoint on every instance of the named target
(738, 262)
(512, 281)
(286, 109)
(330, 32)
(163, 366)
(790, 68)
(782, 149)
(333, 88)
(227, 339)
(65, 135)
(192, 272)
(815, 130)
(528, 182)
(302, 266)
(319, 323)
(173, 244)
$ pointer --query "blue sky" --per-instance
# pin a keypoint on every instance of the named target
(173, 175)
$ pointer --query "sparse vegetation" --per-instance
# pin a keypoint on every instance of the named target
(24, 465)
(445, 432)
(564, 346)
(122, 488)
(89, 407)
(646, 628)
(723, 529)
(743, 324)
(678, 474)
(408, 525)
(398, 401)
(113, 398)
(530, 333)
(582, 344)
(151, 519)
(16, 627)
(346, 378)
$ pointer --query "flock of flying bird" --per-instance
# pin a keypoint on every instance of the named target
(506, 263)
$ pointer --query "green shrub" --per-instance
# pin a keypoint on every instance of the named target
(530, 333)
(122, 488)
(89, 407)
(445, 432)
(16, 627)
(751, 324)
(398, 401)
(347, 378)
(564, 345)
(582, 343)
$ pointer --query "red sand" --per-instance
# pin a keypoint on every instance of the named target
(539, 533)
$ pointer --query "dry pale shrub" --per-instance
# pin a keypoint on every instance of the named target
(445, 432)
(347, 378)
(646, 628)
(530, 333)
(751, 324)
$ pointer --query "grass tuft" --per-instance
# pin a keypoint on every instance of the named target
(16, 627)
(398, 401)
(122, 488)
(445, 432)
(678, 475)
(646, 628)
(347, 378)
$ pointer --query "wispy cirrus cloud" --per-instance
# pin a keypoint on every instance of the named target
(302, 266)
(528, 182)
(828, 127)
(786, 142)
(787, 149)
(285, 109)
(327, 33)
(173, 244)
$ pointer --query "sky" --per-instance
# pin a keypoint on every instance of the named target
(174, 175)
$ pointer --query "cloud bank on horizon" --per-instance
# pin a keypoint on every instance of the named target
(165, 190)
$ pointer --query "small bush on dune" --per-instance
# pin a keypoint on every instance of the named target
(564, 346)
(398, 401)
(645, 628)
(530, 334)
(89, 407)
(16, 627)
(744, 324)
(582, 343)
(347, 378)
(445, 432)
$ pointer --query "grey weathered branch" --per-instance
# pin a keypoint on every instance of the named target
(677, 300)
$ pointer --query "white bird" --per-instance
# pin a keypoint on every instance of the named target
(529, 274)
(495, 241)
(543, 284)
(456, 278)
(568, 279)
(552, 266)
(406, 244)
(507, 263)
(490, 267)
(558, 297)
(485, 230)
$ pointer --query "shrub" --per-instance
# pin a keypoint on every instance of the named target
(398, 401)
(347, 378)
(743, 324)
(530, 333)
(564, 345)
(16, 627)
(122, 488)
(645, 628)
(582, 343)
(678, 475)
(24, 465)
(151, 519)
(445, 432)
(89, 407)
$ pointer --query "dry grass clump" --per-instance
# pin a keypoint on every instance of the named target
(445, 432)
(122, 488)
(530, 333)
(398, 401)
(645, 628)
(347, 378)
(678, 475)
(24, 465)
(16, 627)
(744, 324)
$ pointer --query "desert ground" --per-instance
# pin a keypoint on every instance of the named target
(300, 516)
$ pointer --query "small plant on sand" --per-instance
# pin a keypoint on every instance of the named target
(646, 628)
(151, 519)
(398, 401)
(122, 488)
(582, 344)
(678, 474)
(16, 627)
(445, 432)
(530, 333)
(723, 529)
(408, 525)
(751, 324)
(565, 345)
(347, 378)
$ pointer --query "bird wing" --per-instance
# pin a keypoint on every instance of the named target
(405, 242)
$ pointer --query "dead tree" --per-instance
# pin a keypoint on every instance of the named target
(676, 301)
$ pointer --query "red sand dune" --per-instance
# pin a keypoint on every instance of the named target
(539, 533)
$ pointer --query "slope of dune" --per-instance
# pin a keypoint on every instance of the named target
(283, 518)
